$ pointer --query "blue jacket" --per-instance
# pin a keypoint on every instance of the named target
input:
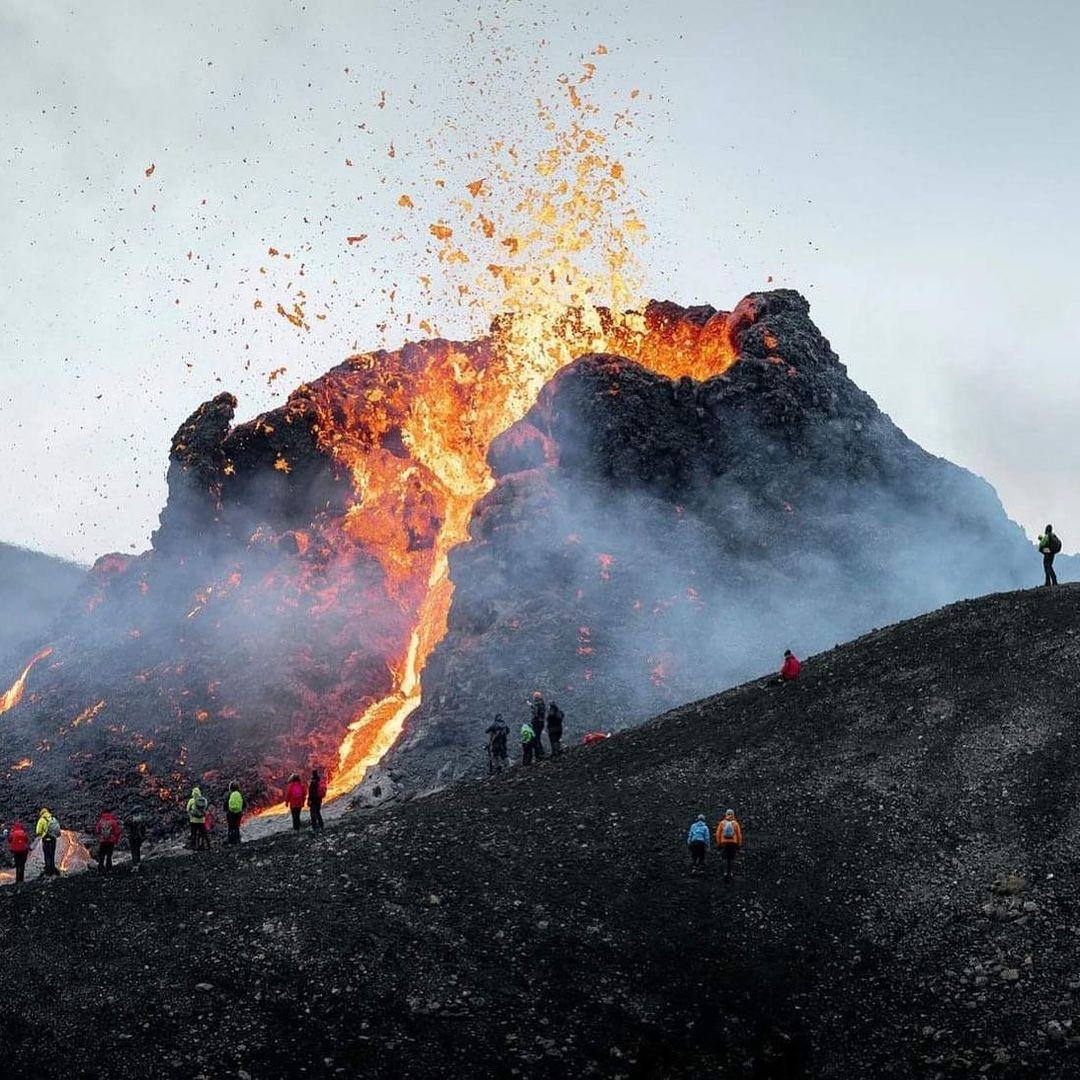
(698, 831)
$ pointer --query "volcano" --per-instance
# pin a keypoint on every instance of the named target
(624, 512)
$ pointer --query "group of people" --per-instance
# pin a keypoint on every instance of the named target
(532, 735)
(728, 841)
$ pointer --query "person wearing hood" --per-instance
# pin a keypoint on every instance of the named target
(316, 792)
(19, 846)
(136, 833)
(1049, 545)
(555, 718)
(539, 715)
(528, 743)
(497, 733)
(729, 840)
(294, 799)
(48, 829)
(196, 810)
(697, 840)
(107, 831)
(234, 812)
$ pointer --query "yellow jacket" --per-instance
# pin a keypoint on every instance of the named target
(42, 827)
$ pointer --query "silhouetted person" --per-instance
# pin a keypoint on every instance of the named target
(234, 811)
(316, 792)
(48, 829)
(697, 840)
(555, 720)
(197, 807)
(107, 831)
(19, 846)
(1049, 545)
(539, 712)
(294, 799)
(497, 734)
(136, 834)
(528, 743)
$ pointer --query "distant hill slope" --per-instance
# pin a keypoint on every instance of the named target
(33, 591)
(544, 925)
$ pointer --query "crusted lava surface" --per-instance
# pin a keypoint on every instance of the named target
(905, 904)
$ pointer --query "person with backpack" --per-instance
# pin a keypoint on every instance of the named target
(539, 712)
(528, 743)
(729, 840)
(234, 812)
(197, 806)
(136, 834)
(497, 734)
(555, 720)
(48, 829)
(697, 840)
(107, 831)
(19, 846)
(316, 792)
(294, 799)
(1049, 546)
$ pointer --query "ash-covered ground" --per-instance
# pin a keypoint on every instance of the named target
(906, 904)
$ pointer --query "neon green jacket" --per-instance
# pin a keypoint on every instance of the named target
(195, 817)
(42, 827)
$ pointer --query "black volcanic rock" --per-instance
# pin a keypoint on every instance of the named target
(649, 539)
(904, 906)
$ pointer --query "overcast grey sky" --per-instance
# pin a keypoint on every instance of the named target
(910, 166)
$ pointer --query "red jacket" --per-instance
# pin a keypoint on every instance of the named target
(18, 838)
(107, 829)
(790, 671)
(294, 795)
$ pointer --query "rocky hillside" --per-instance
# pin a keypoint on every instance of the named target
(906, 904)
(34, 589)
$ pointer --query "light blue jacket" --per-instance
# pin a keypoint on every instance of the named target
(698, 831)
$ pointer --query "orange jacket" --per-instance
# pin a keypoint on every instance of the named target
(721, 840)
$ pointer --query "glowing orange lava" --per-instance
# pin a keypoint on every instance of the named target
(15, 694)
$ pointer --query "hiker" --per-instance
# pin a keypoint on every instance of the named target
(497, 734)
(234, 811)
(539, 711)
(48, 828)
(294, 799)
(107, 831)
(316, 792)
(729, 840)
(789, 670)
(528, 743)
(19, 846)
(555, 720)
(697, 840)
(136, 834)
(197, 806)
(1049, 546)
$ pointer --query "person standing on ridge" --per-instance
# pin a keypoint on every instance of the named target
(294, 799)
(48, 828)
(107, 831)
(136, 834)
(539, 711)
(555, 720)
(697, 840)
(497, 733)
(19, 846)
(729, 840)
(197, 806)
(1049, 546)
(234, 811)
(528, 743)
(316, 792)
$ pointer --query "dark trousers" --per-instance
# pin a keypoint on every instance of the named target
(556, 743)
(196, 828)
(204, 837)
(295, 811)
(315, 811)
(48, 850)
(730, 851)
(104, 856)
(538, 748)
(1048, 568)
(136, 852)
(527, 752)
(496, 762)
(697, 854)
(20, 865)
(233, 821)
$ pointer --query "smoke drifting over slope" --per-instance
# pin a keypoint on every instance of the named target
(695, 492)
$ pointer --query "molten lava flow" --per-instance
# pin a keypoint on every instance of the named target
(15, 694)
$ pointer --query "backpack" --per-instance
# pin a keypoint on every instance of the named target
(201, 804)
(52, 830)
(1055, 544)
(729, 830)
(236, 802)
